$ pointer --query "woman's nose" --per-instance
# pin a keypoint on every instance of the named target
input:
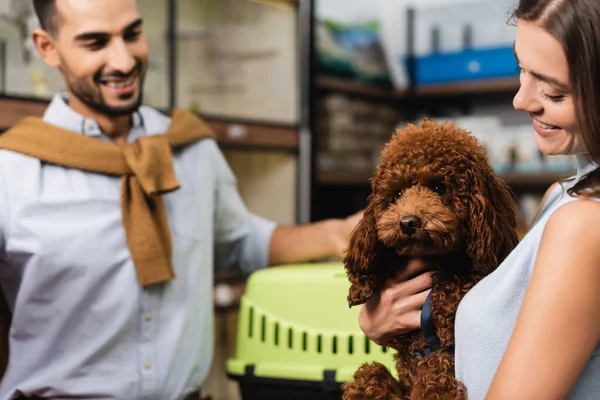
(527, 98)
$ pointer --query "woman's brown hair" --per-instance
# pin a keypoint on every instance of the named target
(576, 26)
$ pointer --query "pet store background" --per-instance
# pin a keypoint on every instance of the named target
(302, 95)
(383, 63)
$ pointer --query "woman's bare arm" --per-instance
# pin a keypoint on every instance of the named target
(558, 326)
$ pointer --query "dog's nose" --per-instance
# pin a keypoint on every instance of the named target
(410, 224)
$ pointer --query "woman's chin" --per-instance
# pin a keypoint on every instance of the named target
(556, 145)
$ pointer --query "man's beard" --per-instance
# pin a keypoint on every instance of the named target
(91, 94)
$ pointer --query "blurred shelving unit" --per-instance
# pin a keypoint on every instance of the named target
(339, 191)
(344, 165)
(230, 132)
(358, 89)
(490, 86)
(518, 181)
(165, 34)
(236, 133)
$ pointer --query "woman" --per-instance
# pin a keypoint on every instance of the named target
(531, 329)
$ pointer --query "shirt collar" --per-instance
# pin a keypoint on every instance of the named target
(60, 114)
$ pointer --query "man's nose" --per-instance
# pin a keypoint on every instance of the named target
(120, 57)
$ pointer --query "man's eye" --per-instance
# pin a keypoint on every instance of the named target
(96, 44)
(131, 36)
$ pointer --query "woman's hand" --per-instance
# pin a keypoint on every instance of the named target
(397, 309)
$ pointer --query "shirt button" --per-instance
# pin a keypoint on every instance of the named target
(148, 365)
(149, 316)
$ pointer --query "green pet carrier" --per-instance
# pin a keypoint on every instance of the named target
(297, 339)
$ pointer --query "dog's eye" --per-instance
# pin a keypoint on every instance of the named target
(439, 188)
(397, 195)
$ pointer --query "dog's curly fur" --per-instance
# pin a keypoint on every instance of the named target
(436, 178)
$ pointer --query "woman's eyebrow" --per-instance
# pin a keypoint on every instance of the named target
(544, 78)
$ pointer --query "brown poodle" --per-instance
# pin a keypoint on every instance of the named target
(434, 196)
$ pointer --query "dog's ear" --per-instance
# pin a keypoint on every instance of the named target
(364, 254)
(493, 231)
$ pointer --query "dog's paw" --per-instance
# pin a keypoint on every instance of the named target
(372, 382)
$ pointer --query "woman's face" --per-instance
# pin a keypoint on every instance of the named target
(545, 91)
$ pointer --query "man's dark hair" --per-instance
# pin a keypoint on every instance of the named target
(47, 14)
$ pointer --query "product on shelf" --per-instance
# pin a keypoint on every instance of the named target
(352, 132)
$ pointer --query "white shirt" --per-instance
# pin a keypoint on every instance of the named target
(82, 325)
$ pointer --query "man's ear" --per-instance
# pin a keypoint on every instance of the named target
(45, 44)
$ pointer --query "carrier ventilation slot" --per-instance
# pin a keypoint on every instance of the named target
(276, 334)
(350, 344)
(263, 328)
(250, 321)
(319, 343)
(290, 338)
(367, 345)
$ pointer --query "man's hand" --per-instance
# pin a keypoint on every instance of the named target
(343, 231)
(320, 240)
(397, 309)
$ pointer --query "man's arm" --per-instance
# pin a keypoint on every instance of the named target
(296, 244)
(248, 242)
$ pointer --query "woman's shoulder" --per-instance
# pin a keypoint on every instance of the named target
(580, 211)
(575, 224)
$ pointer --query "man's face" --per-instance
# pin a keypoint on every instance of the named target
(102, 53)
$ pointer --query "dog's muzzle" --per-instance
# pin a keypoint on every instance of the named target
(410, 224)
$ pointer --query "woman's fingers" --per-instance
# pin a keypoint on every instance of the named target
(396, 310)
(408, 322)
(416, 301)
(412, 321)
(410, 287)
(415, 266)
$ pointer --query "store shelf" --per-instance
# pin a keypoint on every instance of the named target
(285, 4)
(234, 133)
(230, 133)
(13, 109)
(513, 179)
(358, 89)
(347, 177)
(525, 180)
(488, 86)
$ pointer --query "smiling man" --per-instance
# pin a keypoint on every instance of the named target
(101, 51)
(110, 232)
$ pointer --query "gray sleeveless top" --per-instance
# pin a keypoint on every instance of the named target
(486, 316)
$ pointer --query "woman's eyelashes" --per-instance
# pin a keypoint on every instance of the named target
(555, 98)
